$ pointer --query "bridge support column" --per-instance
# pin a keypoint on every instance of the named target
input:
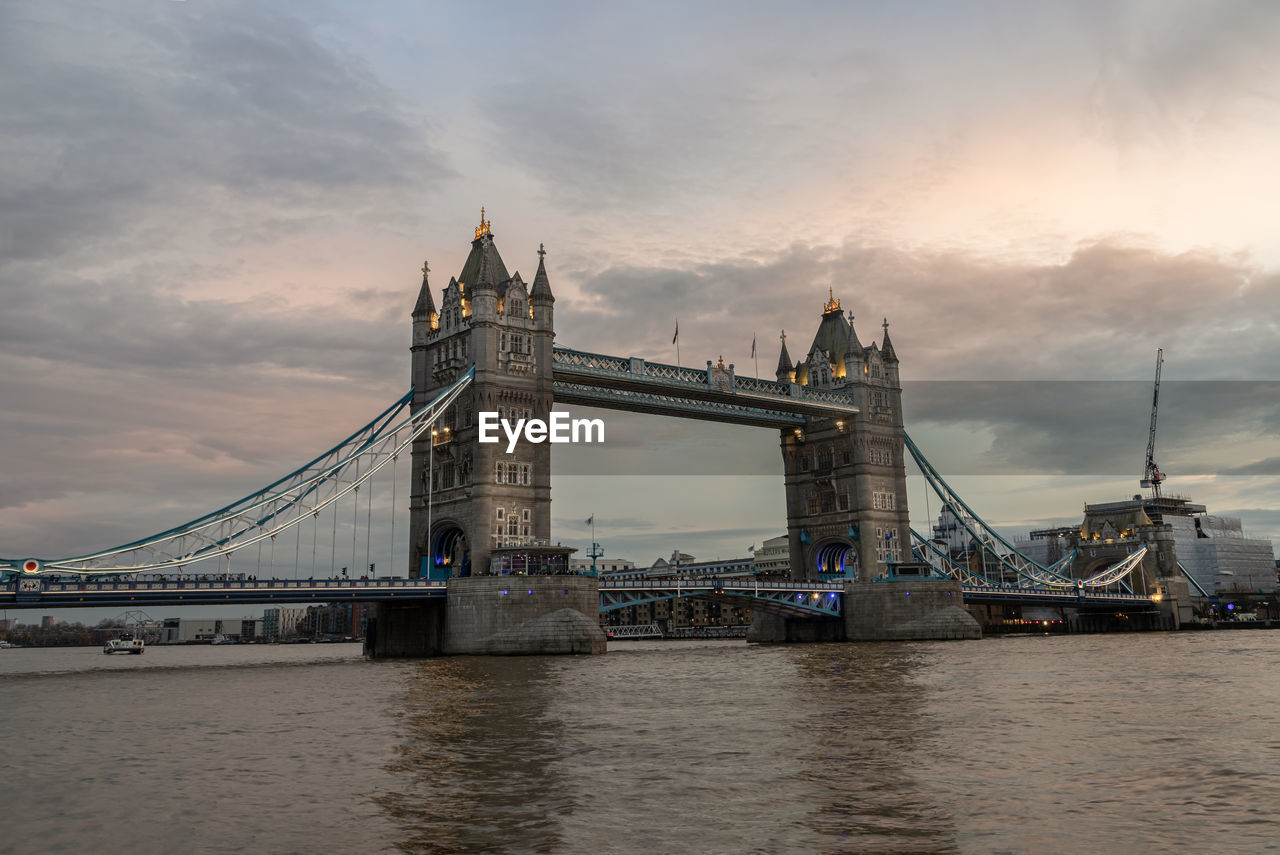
(397, 630)
(769, 628)
(1175, 601)
(494, 615)
(508, 615)
(917, 610)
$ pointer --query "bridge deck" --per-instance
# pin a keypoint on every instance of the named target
(800, 597)
(76, 594)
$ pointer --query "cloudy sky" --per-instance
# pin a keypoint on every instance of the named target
(212, 216)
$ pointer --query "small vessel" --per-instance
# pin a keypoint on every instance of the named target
(125, 643)
(4, 645)
(222, 639)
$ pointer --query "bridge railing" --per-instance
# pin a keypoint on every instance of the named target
(232, 585)
(736, 584)
(1066, 595)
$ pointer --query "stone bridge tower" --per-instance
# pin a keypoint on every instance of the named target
(482, 498)
(846, 483)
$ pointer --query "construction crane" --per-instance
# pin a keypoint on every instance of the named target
(1153, 476)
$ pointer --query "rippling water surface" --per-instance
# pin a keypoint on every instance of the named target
(1105, 743)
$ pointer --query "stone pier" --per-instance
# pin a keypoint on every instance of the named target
(496, 615)
(900, 610)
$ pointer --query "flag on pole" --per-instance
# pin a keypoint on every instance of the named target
(677, 335)
(753, 347)
(591, 520)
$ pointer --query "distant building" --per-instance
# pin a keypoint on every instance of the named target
(281, 623)
(334, 620)
(48, 622)
(773, 559)
(603, 565)
(200, 630)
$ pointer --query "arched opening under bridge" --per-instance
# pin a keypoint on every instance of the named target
(450, 554)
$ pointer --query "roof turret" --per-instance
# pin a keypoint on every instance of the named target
(425, 307)
(854, 346)
(784, 360)
(541, 291)
(886, 350)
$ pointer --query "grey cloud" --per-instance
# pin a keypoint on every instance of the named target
(1082, 325)
(1098, 315)
(1166, 77)
(1269, 466)
(1097, 428)
(126, 113)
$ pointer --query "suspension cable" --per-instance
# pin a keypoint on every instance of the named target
(368, 526)
(395, 462)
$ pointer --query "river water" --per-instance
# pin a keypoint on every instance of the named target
(1103, 743)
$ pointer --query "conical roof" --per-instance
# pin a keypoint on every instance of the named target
(832, 338)
(483, 250)
(541, 285)
(854, 346)
(886, 350)
(425, 307)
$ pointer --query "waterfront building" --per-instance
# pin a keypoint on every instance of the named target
(338, 620)
(603, 566)
(200, 630)
(773, 559)
(281, 623)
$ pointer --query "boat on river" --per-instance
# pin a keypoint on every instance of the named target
(125, 643)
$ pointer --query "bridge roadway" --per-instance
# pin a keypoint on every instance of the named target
(800, 598)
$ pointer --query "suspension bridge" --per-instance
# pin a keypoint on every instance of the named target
(477, 543)
(192, 564)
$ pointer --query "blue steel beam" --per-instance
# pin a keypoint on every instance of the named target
(799, 598)
(31, 593)
(808, 599)
(1052, 596)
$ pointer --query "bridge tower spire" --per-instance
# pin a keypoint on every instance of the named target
(846, 479)
(483, 500)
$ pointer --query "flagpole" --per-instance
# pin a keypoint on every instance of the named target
(755, 354)
(595, 547)
(676, 339)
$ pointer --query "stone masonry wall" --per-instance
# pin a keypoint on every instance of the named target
(926, 609)
(523, 615)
